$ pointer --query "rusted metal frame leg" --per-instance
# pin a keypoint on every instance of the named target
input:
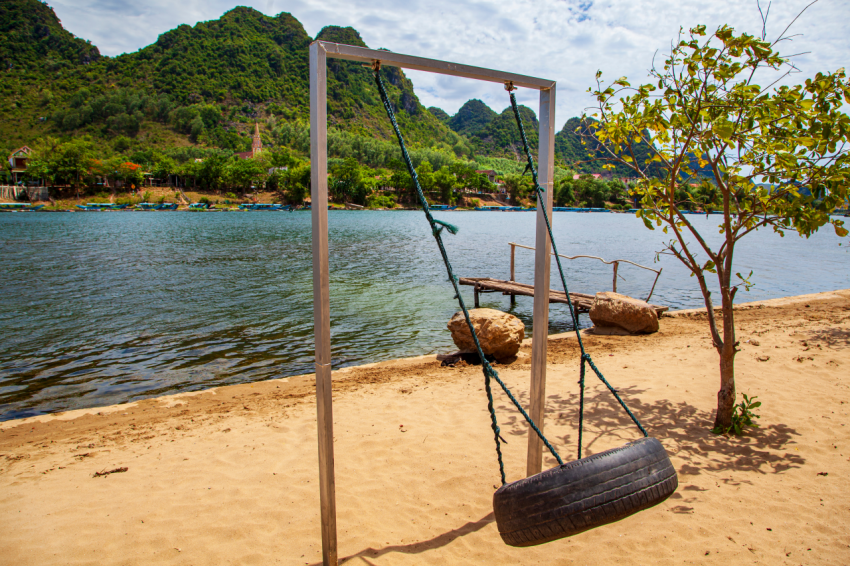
(542, 264)
(476, 295)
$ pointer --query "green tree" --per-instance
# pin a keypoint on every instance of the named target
(445, 182)
(517, 186)
(564, 193)
(73, 162)
(42, 163)
(293, 185)
(425, 173)
(242, 174)
(345, 183)
(778, 158)
(210, 172)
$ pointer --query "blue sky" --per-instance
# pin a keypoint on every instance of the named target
(563, 40)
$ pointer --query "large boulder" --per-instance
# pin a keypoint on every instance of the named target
(499, 333)
(612, 311)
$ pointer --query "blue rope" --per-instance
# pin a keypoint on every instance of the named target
(585, 357)
(489, 372)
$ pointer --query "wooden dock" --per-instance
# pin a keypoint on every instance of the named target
(581, 301)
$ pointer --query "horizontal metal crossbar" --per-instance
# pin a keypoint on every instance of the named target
(364, 55)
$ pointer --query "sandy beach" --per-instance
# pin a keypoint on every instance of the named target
(229, 475)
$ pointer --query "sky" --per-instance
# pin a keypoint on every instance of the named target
(562, 40)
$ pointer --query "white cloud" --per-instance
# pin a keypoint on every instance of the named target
(564, 40)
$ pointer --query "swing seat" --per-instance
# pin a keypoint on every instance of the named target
(584, 494)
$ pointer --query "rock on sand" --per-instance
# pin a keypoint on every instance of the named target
(611, 311)
(500, 334)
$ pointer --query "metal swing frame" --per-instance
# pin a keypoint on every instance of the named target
(320, 51)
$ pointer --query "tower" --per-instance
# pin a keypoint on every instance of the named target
(256, 142)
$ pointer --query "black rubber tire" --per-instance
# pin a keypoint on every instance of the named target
(584, 494)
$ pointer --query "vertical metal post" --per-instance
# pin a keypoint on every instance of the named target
(513, 273)
(321, 298)
(542, 263)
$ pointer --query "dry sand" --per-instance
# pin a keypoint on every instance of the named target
(229, 476)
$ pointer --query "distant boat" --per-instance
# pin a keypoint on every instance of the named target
(156, 206)
(260, 206)
(200, 206)
(89, 206)
(492, 208)
(19, 207)
(442, 207)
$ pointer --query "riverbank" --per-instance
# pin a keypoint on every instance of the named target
(230, 474)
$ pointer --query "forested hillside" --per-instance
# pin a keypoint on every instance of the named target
(181, 107)
(209, 82)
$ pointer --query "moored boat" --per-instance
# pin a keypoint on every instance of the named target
(19, 207)
(94, 206)
(156, 206)
(442, 207)
(260, 206)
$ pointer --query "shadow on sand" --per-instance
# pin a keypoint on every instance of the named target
(682, 428)
(442, 539)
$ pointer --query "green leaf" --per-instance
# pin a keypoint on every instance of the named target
(723, 130)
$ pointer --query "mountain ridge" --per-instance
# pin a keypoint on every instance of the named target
(206, 85)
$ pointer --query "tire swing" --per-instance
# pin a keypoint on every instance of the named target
(580, 495)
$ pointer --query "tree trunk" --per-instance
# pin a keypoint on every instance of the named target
(726, 395)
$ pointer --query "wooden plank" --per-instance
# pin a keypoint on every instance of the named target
(582, 301)
(321, 300)
(542, 265)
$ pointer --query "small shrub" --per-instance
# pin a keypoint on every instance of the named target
(380, 201)
(161, 199)
(146, 197)
(475, 202)
(230, 196)
(742, 416)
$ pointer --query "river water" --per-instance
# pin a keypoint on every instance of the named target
(110, 307)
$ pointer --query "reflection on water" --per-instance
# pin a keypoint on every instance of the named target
(110, 307)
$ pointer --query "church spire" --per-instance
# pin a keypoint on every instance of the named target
(256, 141)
